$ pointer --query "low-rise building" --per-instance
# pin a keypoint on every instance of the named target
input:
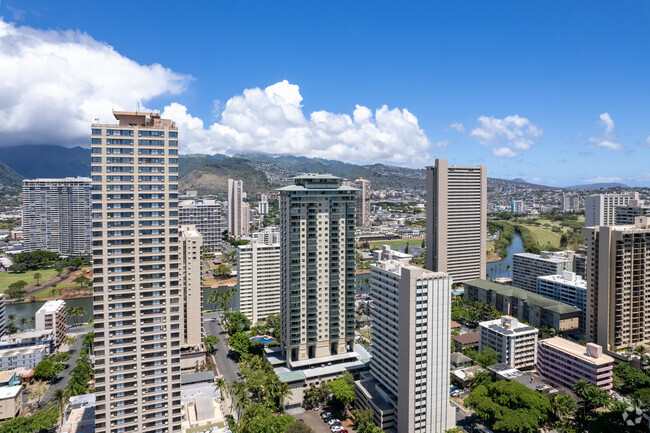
(369, 394)
(11, 401)
(386, 253)
(30, 337)
(79, 414)
(52, 315)
(510, 374)
(515, 342)
(526, 267)
(463, 342)
(563, 362)
(27, 357)
(458, 360)
(525, 306)
(569, 288)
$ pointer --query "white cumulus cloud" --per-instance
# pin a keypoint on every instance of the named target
(54, 83)
(457, 126)
(272, 120)
(511, 135)
(608, 138)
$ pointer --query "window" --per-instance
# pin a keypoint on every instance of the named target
(173, 178)
(173, 134)
(173, 151)
(96, 178)
(96, 150)
(173, 143)
(152, 133)
(96, 132)
(173, 169)
(151, 151)
(173, 160)
(119, 132)
(96, 141)
(151, 142)
(119, 141)
(125, 151)
(96, 159)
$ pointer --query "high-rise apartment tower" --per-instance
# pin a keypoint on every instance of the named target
(56, 215)
(258, 279)
(363, 201)
(618, 305)
(456, 220)
(600, 209)
(208, 217)
(191, 243)
(137, 305)
(238, 214)
(317, 216)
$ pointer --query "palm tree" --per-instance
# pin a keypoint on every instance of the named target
(23, 322)
(281, 393)
(37, 277)
(59, 400)
(221, 385)
(239, 393)
(562, 405)
(11, 317)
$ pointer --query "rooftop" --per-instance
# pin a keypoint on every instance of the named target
(31, 334)
(507, 325)
(51, 306)
(16, 351)
(459, 358)
(576, 350)
(202, 376)
(369, 387)
(552, 259)
(529, 297)
(573, 280)
(10, 391)
(470, 337)
(63, 179)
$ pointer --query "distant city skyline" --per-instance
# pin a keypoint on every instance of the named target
(550, 92)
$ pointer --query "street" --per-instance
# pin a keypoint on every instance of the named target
(63, 378)
(225, 365)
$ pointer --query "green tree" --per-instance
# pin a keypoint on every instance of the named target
(562, 405)
(211, 341)
(238, 322)
(222, 270)
(221, 385)
(82, 281)
(480, 378)
(342, 392)
(240, 343)
(37, 392)
(259, 419)
(88, 340)
(593, 396)
(58, 400)
(485, 359)
(37, 277)
(23, 321)
(273, 325)
(362, 417)
(15, 290)
(59, 269)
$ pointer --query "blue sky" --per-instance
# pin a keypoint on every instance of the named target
(561, 87)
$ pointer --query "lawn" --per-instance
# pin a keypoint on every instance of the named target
(7, 278)
(55, 291)
(543, 236)
(205, 427)
(396, 243)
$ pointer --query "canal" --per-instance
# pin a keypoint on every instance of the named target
(503, 268)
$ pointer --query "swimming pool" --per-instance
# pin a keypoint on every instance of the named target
(263, 340)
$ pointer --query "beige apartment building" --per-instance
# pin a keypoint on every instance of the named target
(515, 342)
(258, 279)
(238, 211)
(191, 243)
(456, 220)
(208, 216)
(600, 209)
(317, 223)
(137, 304)
(618, 308)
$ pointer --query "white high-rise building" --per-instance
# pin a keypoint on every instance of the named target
(363, 201)
(410, 363)
(317, 225)
(600, 208)
(56, 215)
(208, 217)
(568, 288)
(137, 305)
(52, 316)
(526, 267)
(627, 214)
(258, 279)
(191, 243)
(263, 205)
(517, 206)
(238, 211)
(456, 220)
(268, 235)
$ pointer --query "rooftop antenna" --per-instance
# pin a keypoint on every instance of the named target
(138, 105)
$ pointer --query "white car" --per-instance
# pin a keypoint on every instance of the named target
(333, 421)
(326, 415)
(336, 428)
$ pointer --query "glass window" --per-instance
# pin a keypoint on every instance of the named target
(97, 132)
(96, 150)
(96, 141)
(173, 133)
(96, 178)
(96, 168)
(173, 151)
(152, 133)
(119, 132)
(173, 143)
(96, 159)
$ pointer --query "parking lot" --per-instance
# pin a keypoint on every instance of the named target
(313, 419)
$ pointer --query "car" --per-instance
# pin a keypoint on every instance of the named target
(326, 415)
(343, 431)
(318, 408)
(336, 428)
(333, 421)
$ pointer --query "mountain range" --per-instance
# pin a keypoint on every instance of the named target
(208, 174)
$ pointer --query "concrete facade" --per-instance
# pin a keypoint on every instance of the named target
(138, 317)
(56, 215)
(526, 267)
(11, 401)
(363, 201)
(515, 342)
(626, 215)
(27, 357)
(317, 224)
(53, 316)
(563, 363)
(191, 243)
(568, 288)
(600, 208)
(618, 308)
(456, 220)
(258, 279)
(238, 214)
(208, 216)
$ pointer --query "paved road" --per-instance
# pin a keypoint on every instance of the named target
(63, 378)
(225, 365)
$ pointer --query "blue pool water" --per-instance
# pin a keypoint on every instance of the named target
(262, 339)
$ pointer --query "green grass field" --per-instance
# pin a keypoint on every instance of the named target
(544, 236)
(7, 278)
(397, 243)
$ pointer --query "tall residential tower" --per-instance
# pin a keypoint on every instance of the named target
(363, 201)
(238, 211)
(317, 216)
(456, 220)
(137, 305)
